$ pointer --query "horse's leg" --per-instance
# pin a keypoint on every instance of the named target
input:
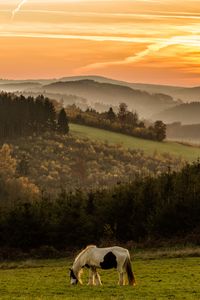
(121, 278)
(91, 277)
(97, 278)
(121, 272)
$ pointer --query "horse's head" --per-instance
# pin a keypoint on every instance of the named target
(73, 278)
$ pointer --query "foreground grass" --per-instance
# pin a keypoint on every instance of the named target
(149, 147)
(163, 278)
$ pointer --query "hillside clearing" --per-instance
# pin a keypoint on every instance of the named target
(189, 153)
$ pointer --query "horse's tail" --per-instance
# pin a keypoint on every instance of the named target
(129, 271)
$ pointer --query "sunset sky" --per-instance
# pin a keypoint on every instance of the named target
(150, 41)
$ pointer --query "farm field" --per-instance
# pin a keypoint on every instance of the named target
(160, 278)
(189, 153)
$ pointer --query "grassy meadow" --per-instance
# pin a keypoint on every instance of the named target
(189, 153)
(164, 277)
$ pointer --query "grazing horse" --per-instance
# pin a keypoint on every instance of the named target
(105, 258)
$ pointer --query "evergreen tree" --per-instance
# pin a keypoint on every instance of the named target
(111, 115)
(50, 114)
(63, 126)
(20, 116)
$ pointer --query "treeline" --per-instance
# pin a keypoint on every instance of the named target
(165, 207)
(20, 116)
(124, 121)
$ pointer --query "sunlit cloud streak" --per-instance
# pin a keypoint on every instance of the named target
(168, 15)
(17, 9)
(101, 36)
(96, 38)
(151, 49)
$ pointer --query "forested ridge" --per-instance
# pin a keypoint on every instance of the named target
(122, 121)
(20, 116)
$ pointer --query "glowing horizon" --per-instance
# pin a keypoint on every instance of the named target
(149, 41)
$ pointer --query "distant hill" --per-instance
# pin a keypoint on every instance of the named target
(150, 88)
(187, 94)
(40, 81)
(96, 91)
(187, 113)
(144, 103)
(190, 133)
(151, 101)
(19, 86)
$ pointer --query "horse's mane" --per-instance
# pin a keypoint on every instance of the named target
(83, 251)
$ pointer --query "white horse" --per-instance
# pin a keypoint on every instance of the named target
(105, 258)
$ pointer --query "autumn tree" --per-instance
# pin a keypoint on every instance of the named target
(13, 187)
(159, 130)
(122, 114)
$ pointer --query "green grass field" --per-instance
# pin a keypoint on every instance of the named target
(157, 278)
(149, 147)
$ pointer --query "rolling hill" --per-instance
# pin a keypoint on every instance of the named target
(184, 133)
(149, 147)
(19, 86)
(151, 101)
(144, 103)
(187, 94)
(187, 113)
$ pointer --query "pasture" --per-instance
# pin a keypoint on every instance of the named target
(188, 153)
(158, 277)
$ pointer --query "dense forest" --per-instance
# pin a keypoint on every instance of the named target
(20, 116)
(148, 208)
(124, 121)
